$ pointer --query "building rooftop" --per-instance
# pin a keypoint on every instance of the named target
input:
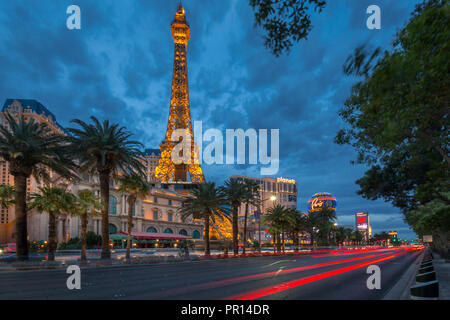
(34, 105)
(149, 152)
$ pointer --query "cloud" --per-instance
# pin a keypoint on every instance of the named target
(119, 66)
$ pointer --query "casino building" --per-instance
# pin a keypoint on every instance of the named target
(272, 192)
(157, 213)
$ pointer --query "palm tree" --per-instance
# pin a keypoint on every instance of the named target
(31, 148)
(7, 195)
(105, 149)
(326, 219)
(251, 197)
(86, 204)
(235, 195)
(279, 219)
(54, 201)
(136, 186)
(298, 224)
(311, 225)
(207, 203)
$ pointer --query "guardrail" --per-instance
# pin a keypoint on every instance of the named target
(426, 287)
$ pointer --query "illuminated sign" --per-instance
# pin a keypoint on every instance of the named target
(286, 180)
(322, 201)
(362, 221)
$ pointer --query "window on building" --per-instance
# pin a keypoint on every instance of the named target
(155, 200)
(112, 205)
(151, 229)
(183, 232)
(170, 216)
(112, 229)
(196, 234)
(155, 214)
(170, 202)
(168, 230)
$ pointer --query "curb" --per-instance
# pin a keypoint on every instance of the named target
(400, 291)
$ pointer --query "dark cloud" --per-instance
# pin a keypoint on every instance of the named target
(119, 67)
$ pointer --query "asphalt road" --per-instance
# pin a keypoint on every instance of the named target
(310, 276)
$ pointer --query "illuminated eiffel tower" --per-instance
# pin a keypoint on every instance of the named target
(180, 113)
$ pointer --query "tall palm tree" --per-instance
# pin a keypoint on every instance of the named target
(326, 217)
(279, 219)
(136, 186)
(7, 195)
(87, 205)
(297, 225)
(54, 201)
(105, 149)
(207, 203)
(251, 197)
(235, 195)
(311, 225)
(31, 148)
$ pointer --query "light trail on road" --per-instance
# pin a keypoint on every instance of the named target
(256, 294)
(230, 281)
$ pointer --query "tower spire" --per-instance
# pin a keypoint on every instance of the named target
(180, 113)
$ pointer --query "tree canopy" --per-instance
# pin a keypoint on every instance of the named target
(284, 21)
(398, 114)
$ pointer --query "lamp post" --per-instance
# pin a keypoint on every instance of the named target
(271, 198)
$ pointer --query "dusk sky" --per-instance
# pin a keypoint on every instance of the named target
(119, 67)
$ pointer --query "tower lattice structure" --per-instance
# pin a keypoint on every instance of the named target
(180, 112)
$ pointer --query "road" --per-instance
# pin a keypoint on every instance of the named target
(322, 275)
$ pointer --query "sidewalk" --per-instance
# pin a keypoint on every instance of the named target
(442, 268)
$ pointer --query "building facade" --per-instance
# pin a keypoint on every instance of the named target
(156, 213)
(272, 192)
(30, 109)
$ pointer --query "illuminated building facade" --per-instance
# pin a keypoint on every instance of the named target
(272, 191)
(167, 170)
(30, 109)
(157, 213)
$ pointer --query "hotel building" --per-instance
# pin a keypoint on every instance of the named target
(272, 192)
(157, 213)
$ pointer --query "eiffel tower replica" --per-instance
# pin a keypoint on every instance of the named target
(168, 172)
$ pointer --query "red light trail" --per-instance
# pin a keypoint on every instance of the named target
(225, 282)
(256, 294)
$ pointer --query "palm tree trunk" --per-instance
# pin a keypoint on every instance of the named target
(51, 236)
(282, 239)
(235, 231)
(104, 191)
(84, 220)
(63, 220)
(245, 227)
(131, 200)
(20, 183)
(278, 242)
(207, 246)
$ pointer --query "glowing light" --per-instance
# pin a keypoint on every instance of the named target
(299, 282)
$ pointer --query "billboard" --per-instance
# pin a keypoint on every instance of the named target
(362, 221)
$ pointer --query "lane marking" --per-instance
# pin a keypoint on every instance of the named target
(230, 281)
(299, 282)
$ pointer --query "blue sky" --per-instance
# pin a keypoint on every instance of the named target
(119, 65)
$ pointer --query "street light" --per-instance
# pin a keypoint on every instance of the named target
(271, 198)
